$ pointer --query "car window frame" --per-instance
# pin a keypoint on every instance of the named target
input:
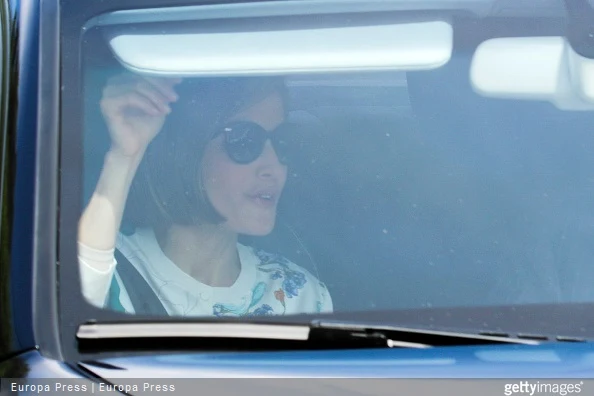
(71, 115)
(6, 343)
(45, 260)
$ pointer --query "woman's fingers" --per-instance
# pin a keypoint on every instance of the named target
(152, 94)
(113, 106)
(165, 86)
(159, 92)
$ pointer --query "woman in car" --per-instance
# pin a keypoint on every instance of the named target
(199, 163)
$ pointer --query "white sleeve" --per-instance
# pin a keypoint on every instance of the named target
(96, 268)
(326, 304)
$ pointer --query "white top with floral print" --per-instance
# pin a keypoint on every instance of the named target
(268, 284)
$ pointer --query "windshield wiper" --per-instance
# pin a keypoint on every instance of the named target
(234, 336)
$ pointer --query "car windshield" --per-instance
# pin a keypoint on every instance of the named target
(222, 165)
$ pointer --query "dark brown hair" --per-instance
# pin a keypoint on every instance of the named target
(167, 188)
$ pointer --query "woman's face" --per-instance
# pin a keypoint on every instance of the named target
(247, 195)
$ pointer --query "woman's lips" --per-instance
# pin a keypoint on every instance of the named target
(265, 199)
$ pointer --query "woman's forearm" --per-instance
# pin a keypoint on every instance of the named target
(101, 219)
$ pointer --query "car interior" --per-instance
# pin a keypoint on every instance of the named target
(412, 190)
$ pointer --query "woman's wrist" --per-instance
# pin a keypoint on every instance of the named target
(118, 171)
(117, 156)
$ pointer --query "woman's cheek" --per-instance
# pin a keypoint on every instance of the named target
(225, 185)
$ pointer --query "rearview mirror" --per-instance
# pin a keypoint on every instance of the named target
(534, 68)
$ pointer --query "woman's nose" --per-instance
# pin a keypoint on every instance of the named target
(269, 165)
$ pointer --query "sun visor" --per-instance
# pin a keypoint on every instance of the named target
(409, 46)
(279, 43)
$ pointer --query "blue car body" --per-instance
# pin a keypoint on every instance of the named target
(558, 361)
(34, 345)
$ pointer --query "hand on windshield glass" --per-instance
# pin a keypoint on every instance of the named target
(135, 108)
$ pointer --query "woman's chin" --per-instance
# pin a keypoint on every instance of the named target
(252, 223)
(258, 228)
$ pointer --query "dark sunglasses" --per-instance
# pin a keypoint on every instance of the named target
(244, 141)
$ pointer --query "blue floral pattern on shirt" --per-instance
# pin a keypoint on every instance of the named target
(293, 280)
(264, 310)
(243, 309)
(278, 268)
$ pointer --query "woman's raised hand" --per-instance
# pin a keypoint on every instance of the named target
(135, 109)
